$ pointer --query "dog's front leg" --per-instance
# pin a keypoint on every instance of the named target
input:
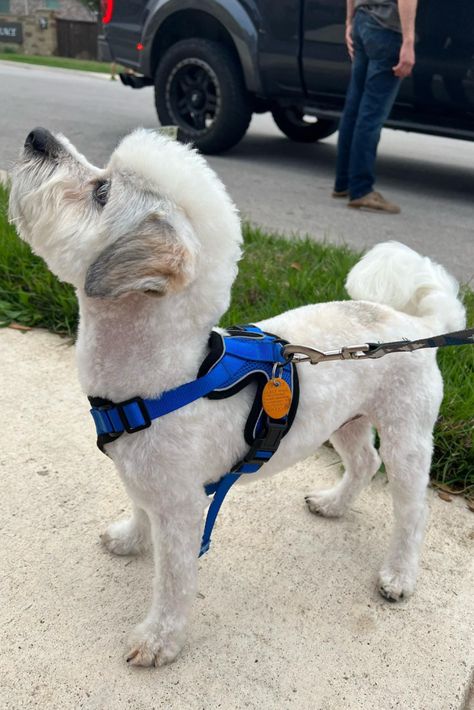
(128, 536)
(176, 531)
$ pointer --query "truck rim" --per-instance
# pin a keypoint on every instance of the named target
(193, 96)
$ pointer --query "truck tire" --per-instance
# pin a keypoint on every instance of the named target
(199, 88)
(291, 121)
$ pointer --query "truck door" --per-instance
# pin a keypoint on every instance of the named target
(326, 64)
(279, 45)
(443, 77)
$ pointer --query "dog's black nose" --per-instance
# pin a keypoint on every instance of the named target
(40, 140)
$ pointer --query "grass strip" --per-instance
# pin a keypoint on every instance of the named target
(29, 293)
(60, 62)
(275, 274)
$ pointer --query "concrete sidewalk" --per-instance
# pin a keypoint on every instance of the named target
(287, 614)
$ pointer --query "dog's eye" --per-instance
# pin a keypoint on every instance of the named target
(101, 192)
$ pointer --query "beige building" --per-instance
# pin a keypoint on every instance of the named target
(48, 27)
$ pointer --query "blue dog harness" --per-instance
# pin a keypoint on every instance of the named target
(243, 355)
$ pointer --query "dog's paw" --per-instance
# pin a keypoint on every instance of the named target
(149, 648)
(326, 503)
(395, 587)
(123, 538)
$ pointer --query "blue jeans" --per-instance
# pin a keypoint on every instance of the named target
(370, 97)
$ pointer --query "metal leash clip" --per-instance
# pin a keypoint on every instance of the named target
(302, 353)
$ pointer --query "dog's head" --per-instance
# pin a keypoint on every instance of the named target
(155, 221)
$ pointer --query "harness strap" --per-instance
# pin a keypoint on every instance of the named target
(136, 414)
(132, 415)
(246, 354)
(220, 490)
(261, 451)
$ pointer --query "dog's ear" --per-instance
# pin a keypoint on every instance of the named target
(152, 259)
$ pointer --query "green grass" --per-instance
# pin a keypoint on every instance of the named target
(275, 274)
(29, 293)
(454, 434)
(61, 62)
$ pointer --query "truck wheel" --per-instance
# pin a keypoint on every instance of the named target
(199, 88)
(292, 122)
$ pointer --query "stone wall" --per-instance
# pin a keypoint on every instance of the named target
(39, 33)
(68, 9)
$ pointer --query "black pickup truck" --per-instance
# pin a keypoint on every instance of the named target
(215, 62)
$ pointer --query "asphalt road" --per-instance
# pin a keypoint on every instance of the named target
(278, 184)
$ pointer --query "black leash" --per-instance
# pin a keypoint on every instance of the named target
(302, 353)
(460, 337)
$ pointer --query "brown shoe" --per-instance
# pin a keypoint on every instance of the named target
(374, 202)
(340, 193)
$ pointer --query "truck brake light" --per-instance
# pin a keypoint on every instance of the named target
(107, 7)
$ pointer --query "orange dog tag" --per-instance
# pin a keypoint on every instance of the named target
(276, 398)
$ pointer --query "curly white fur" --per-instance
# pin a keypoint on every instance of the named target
(170, 230)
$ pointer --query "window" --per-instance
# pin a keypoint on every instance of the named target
(5, 7)
(51, 4)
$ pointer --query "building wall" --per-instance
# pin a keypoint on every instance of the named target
(39, 32)
(39, 41)
(68, 9)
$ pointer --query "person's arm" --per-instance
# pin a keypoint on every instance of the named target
(406, 60)
(348, 35)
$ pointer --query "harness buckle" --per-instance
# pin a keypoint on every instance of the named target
(266, 444)
(130, 419)
(130, 428)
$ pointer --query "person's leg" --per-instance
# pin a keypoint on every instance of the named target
(351, 108)
(381, 87)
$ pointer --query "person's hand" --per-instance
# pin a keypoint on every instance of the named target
(406, 60)
(349, 42)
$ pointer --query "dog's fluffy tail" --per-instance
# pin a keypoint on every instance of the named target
(395, 275)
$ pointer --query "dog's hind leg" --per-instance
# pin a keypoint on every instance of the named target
(406, 448)
(128, 536)
(354, 442)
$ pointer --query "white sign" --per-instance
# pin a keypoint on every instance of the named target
(11, 32)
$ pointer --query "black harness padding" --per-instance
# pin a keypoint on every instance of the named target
(256, 374)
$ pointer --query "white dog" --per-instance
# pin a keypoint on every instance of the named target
(158, 222)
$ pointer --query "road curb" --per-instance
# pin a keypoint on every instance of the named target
(27, 65)
(3, 177)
